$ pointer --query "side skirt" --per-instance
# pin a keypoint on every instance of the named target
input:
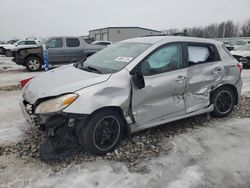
(134, 128)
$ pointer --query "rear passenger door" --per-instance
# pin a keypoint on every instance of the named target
(55, 50)
(205, 71)
(73, 52)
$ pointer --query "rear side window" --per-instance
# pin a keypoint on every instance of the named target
(30, 42)
(72, 42)
(21, 43)
(198, 54)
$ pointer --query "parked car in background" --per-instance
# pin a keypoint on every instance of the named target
(2, 42)
(104, 43)
(130, 86)
(10, 42)
(60, 50)
(242, 54)
(26, 43)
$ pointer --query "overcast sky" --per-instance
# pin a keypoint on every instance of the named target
(43, 18)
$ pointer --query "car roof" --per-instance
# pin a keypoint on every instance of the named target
(156, 39)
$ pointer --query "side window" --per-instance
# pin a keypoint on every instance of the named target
(29, 42)
(165, 59)
(72, 42)
(21, 43)
(200, 54)
(55, 43)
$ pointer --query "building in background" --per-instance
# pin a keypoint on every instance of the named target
(120, 33)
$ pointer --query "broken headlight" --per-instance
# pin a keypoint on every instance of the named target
(55, 104)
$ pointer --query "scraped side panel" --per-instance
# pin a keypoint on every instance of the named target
(200, 81)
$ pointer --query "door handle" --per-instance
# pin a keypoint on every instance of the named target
(180, 78)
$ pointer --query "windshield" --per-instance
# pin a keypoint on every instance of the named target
(114, 58)
(243, 48)
(43, 41)
(16, 43)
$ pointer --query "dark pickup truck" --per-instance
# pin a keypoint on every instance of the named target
(61, 50)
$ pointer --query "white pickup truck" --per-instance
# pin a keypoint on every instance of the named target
(8, 49)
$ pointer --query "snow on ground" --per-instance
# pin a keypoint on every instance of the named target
(11, 73)
(213, 156)
(12, 122)
(246, 80)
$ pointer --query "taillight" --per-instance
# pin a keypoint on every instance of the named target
(240, 66)
(25, 81)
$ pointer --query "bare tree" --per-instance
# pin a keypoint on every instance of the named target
(246, 29)
(221, 30)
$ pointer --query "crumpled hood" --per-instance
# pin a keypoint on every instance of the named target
(59, 81)
(241, 53)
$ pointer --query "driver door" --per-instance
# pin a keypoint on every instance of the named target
(164, 73)
(56, 50)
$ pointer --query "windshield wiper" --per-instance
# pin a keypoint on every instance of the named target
(90, 69)
(94, 69)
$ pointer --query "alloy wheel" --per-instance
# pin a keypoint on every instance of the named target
(106, 133)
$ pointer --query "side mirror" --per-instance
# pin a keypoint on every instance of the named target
(138, 80)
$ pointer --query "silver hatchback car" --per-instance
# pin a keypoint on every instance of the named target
(130, 86)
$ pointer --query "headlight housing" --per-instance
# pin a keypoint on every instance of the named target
(56, 104)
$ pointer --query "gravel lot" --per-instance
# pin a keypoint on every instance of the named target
(195, 152)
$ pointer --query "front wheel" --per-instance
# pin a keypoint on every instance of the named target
(33, 64)
(224, 100)
(102, 133)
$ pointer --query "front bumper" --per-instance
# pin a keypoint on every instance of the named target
(18, 59)
(51, 121)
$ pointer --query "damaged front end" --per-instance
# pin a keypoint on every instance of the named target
(60, 135)
(59, 129)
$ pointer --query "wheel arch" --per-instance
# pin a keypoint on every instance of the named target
(127, 130)
(230, 86)
(32, 55)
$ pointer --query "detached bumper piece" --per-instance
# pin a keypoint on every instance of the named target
(60, 132)
(60, 137)
(61, 145)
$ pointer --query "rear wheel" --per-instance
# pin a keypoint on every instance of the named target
(223, 99)
(33, 64)
(8, 53)
(102, 133)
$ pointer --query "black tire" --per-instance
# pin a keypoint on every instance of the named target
(33, 64)
(223, 99)
(96, 136)
(8, 53)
